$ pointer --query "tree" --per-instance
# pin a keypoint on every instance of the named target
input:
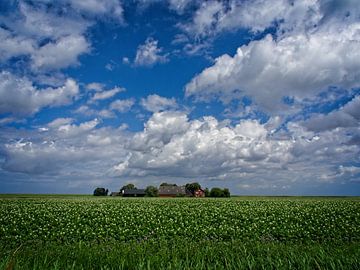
(226, 192)
(100, 192)
(128, 186)
(192, 187)
(151, 191)
(216, 192)
(167, 185)
(207, 192)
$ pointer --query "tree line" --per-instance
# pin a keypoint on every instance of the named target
(152, 191)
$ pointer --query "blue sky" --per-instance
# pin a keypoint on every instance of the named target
(259, 96)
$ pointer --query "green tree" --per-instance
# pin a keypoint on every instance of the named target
(100, 191)
(192, 187)
(151, 191)
(207, 192)
(128, 186)
(226, 192)
(167, 185)
(216, 192)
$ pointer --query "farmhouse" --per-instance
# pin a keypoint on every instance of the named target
(173, 191)
(133, 193)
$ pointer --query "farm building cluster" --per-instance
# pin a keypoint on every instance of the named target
(163, 191)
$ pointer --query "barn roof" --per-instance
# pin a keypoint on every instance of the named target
(134, 192)
(172, 190)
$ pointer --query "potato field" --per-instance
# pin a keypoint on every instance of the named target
(185, 233)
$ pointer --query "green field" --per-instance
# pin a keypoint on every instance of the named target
(83, 232)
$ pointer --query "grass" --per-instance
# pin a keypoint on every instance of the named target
(181, 254)
(31, 238)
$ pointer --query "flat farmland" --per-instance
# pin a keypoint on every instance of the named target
(82, 232)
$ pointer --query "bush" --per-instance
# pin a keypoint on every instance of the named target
(218, 192)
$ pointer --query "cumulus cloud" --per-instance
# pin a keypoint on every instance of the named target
(66, 151)
(24, 33)
(37, 22)
(122, 105)
(155, 103)
(214, 17)
(19, 96)
(296, 66)
(50, 38)
(171, 144)
(12, 46)
(149, 54)
(72, 130)
(60, 54)
(345, 117)
(315, 47)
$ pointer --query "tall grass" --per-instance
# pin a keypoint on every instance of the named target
(182, 254)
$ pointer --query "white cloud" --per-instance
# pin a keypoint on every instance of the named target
(155, 103)
(86, 110)
(177, 5)
(20, 97)
(297, 66)
(180, 5)
(60, 122)
(346, 116)
(171, 144)
(95, 86)
(112, 8)
(351, 170)
(122, 105)
(53, 39)
(12, 46)
(126, 60)
(214, 17)
(64, 152)
(72, 130)
(149, 54)
(38, 23)
(110, 66)
(60, 54)
(204, 19)
(107, 94)
(7, 120)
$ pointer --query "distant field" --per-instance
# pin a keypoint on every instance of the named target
(83, 232)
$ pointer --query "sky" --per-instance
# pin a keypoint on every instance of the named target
(261, 97)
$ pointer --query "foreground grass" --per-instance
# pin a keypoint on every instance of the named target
(182, 254)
